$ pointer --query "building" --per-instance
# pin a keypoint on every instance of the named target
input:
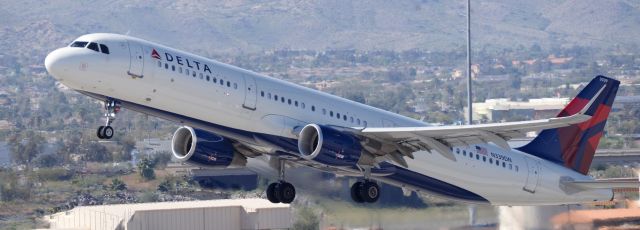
(503, 109)
(211, 214)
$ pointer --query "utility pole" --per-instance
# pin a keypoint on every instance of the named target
(472, 208)
(469, 95)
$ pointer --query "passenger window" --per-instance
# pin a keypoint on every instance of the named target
(289, 101)
(338, 115)
(302, 105)
(484, 158)
(313, 108)
(235, 85)
(173, 68)
(228, 84)
(464, 153)
(344, 117)
(295, 103)
(104, 49)
(516, 168)
(471, 154)
(477, 157)
(510, 166)
(166, 66)
(160, 64)
(221, 82)
(358, 121)
(331, 113)
(208, 78)
(262, 93)
(351, 119)
(282, 99)
(269, 95)
(179, 69)
(364, 123)
(215, 80)
(201, 76)
(275, 96)
(324, 111)
(490, 160)
(504, 165)
(193, 73)
(78, 44)
(93, 46)
(457, 150)
(186, 71)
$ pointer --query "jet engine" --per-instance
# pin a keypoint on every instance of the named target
(329, 146)
(202, 148)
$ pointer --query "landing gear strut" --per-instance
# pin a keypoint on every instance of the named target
(366, 190)
(112, 107)
(281, 191)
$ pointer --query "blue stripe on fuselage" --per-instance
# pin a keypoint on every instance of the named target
(401, 175)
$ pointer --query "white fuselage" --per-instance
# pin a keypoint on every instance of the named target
(154, 76)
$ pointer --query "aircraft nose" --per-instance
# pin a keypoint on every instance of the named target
(55, 62)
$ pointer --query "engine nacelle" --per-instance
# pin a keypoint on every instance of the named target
(329, 146)
(202, 148)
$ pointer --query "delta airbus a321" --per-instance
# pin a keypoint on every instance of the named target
(231, 116)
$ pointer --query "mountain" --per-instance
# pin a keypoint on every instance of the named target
(206, 27)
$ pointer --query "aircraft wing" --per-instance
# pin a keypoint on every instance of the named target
(440, 138)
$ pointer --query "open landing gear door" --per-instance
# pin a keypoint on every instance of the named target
(533, 175)
(137, 60)
(250, 92)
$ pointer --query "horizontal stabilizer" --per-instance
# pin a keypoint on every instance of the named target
(607, 183)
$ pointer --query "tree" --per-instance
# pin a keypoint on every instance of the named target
(94, 151)
(47, 160)
(118, 185)
(25, 146)
(306, 219)
(145, 168)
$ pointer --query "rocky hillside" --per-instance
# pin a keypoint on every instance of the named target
(35, 27)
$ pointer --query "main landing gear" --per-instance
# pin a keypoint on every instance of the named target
(281, 191)
(365, 191)
(112, 107)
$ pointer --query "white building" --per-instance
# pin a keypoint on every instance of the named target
(212, 214)
(503, 109)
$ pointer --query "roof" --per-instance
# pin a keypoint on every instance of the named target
(589, 216)
(247, 204)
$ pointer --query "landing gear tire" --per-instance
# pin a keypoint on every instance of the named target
(281, 192)
(370, 192)
(271, 193)
(355, 192)
(365, 191)
(107, 132)
(286, 192)
(99, 133)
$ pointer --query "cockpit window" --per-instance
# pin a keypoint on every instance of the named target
(93, 46)
(78, 44)
(104, 49)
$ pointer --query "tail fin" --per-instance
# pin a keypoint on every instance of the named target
(574, 146)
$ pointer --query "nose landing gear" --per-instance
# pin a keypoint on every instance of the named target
(112, 107)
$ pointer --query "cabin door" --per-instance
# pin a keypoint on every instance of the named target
(533, 175)
(136, 64)
(250, 92)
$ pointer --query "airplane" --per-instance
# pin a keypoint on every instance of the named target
(230, 116)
